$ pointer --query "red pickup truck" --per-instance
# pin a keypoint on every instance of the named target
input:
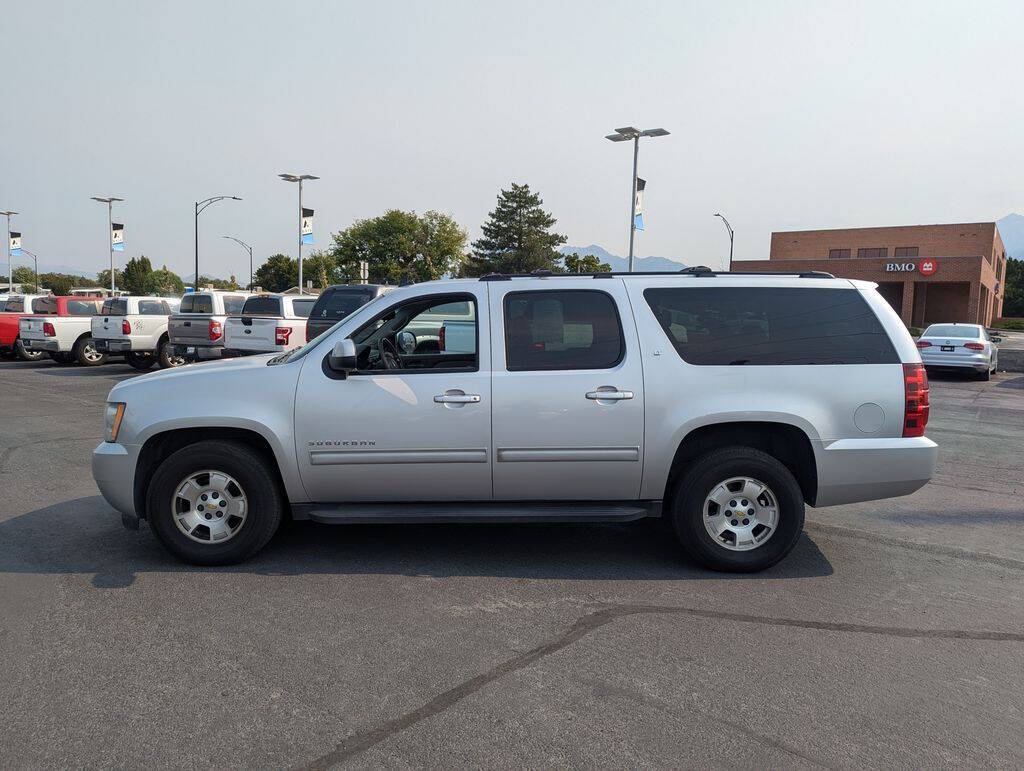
(17, 306)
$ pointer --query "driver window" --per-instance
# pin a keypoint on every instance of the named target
(434, 333)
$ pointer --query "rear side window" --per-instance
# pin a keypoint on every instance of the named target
(114, 308)
(232, 304)
(951, 330)
(44, 305)
(770, 325)
(301, 308)
(83, 307)
(15, 305)
(339, 303)
(153, 308)
(261, 306)
(571, 329)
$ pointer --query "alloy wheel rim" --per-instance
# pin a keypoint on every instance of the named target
(90, 352)
(209, 506)
(741, 513)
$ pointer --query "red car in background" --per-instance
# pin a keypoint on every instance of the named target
(19, 305)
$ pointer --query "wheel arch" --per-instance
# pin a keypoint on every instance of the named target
(788, 443)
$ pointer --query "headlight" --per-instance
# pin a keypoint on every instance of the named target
(112, 420)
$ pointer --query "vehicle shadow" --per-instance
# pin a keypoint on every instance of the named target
(115, 370)
(85, 536)
(1017, 383)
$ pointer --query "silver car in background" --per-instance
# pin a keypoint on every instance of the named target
(961, 346)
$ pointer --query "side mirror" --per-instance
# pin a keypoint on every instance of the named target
(343, 356)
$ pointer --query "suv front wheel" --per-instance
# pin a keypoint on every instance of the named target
(738, 509)
(214, 502)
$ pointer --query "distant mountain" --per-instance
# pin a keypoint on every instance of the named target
(640, 264)
(1011, 228)
(70, 270)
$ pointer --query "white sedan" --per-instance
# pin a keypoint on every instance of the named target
(960, 346)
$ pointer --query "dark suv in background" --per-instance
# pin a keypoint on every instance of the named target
(338, 301)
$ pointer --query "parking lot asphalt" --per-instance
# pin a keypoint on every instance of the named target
(893, 635)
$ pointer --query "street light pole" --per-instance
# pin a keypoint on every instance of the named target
(200, 205)
(245, 246)
(10, 269)
(110, 234)
(300, 178)
(729, 228)
(35, 260)
(622, 135)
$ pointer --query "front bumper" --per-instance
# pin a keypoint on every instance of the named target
(105, 345)
(113, 468)
(35, 344)
(852, 470)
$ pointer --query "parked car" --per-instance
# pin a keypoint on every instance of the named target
(337, 302)
(269, 323)
(196, 331)
(11, 344)
(62, 328)
(584, 399)
(136, 327)
(959, 346)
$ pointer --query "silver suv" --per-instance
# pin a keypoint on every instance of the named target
(722, 402)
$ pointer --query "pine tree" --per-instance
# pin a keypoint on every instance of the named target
(517, 237)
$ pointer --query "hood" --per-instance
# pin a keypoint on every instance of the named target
(195, 375)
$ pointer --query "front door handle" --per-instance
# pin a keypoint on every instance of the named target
(450, 397)
(609, 393)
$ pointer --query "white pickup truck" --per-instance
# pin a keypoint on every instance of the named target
(196, 331)
(64, 330)
(136, 327)
(270, 323)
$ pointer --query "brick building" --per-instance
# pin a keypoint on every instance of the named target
(928, 273)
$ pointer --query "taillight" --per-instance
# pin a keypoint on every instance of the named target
(126, 328)
(915, 396)
(440, 338)
(923, 344)
(48, 330)
(281, 335)
(975, 346)
(216, 330)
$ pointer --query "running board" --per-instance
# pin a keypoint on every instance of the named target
(541, 511)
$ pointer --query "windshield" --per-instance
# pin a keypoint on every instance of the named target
(951, 330)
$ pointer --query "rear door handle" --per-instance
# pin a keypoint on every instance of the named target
(611, 394)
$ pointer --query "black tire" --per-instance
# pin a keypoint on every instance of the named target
(23, 355)
(85, 352)
(62, 358)
(986, 375)
(255, 476)
(709, 471)
(166, 358)
(140, 361)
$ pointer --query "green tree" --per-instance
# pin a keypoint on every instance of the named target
(321, 268)
(133, 277)
(517, 237)
(24, 276)
(164, 283)
(218, 283)
(400, 246)
(103, 279)
(278, 273)
(1013, 298)
(58, 283)
(586, 264)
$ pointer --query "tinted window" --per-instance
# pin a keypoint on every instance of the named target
(762, 325)
(187, 303)
(83, 307)
(114, 308)
(232, 304)
(261, 306)
(950, 330)
(15, 305)
(201, 303)
(44, 305)
(3, 305)
(301, 308)
(572, 329)
(153, 308)
(338, 303)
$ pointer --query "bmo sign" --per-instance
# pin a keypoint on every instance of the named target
(924, 267)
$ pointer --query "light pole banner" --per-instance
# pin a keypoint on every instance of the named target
(117, 236)
(15, 244)
(307, 226)
(638, 220)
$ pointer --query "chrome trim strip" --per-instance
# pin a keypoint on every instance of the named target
(541, 454)
(350, 457)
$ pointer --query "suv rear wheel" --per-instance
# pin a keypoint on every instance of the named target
(214, 502)
(738, 509)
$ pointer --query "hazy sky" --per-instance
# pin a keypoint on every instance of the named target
(783, 116)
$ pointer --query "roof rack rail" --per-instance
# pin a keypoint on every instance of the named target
(698, 271)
